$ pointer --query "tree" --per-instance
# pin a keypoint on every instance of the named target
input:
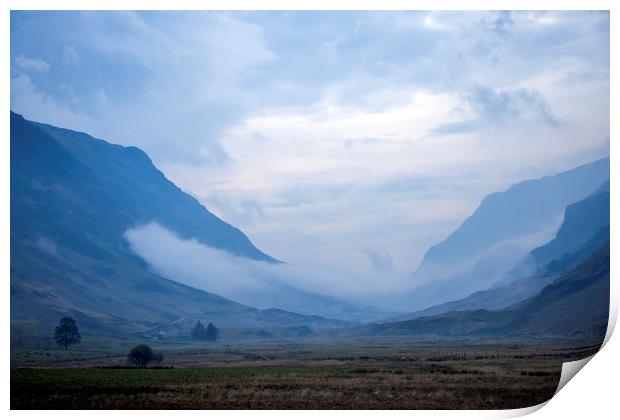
(67, 333)
(198, 332)
(142, 355)
(211, 333)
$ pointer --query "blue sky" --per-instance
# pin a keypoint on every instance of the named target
(353, 139)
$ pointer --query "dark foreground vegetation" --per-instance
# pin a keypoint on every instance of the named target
(356, 375)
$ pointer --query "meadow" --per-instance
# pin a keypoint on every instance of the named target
(375, 374)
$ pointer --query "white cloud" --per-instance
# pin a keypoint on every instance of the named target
(311, 170)
(35, 64)
(38, 105)
(191, 262)
(432, 23)
(190, 81)
(197, 265)
(317, 143)
(70, 56)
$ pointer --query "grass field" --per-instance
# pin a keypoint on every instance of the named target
(301, 375)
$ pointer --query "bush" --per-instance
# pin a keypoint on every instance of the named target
(142, 355)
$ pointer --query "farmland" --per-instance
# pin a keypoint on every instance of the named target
(297, 375)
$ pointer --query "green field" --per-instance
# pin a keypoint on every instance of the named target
(297, 375)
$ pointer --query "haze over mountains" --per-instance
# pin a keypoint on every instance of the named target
(504, 228)
(87, 217)
(584, 230)
(575, 304)
(523, 209)
(558, 289)
(255, 283)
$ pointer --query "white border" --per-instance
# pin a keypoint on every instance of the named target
(593, 394)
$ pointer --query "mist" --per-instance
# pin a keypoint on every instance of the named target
(259, 284)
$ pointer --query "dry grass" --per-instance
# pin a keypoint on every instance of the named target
(312, 376)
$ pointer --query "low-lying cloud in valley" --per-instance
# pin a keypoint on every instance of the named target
(251, 282)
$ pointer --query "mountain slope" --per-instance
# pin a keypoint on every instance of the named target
(584, 230)
(581, 220)
(145, 194)
(525, 208)
(497, 236)
(575, 304)
(69, 256)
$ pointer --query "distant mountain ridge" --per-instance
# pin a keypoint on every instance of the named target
(525, 208)
(500, 233)
(581, 221)
(584, 230)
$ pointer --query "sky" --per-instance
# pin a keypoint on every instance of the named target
(336, 139)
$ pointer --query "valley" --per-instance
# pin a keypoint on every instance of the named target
(382, 373)
(490, 329)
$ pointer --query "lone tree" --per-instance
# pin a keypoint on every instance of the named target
(198, 332)
(211, 332)
(67, 333)
(142, 355)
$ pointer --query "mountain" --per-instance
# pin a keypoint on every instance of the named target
(500, 233)
(525, 208)
(575, 304)
(145, 194)
(72, 199)
(582, 220)
(584, 230)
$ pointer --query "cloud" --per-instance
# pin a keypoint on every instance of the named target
(238, 212)
(459, 127)
(40, 106)
(315, 142)
(432, 23)
(192, 263)
(381, 261)
(176, 76)
(491, 108)
(501, 105)
(47, 245)
(250, 282)
(70, 56)
(35, 64)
